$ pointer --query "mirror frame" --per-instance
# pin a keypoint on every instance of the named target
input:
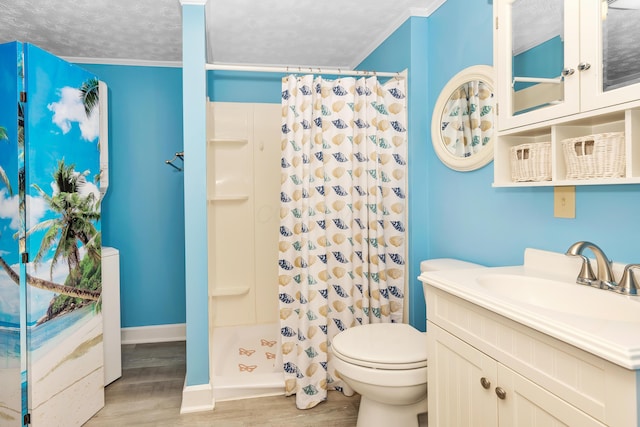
(484, 156)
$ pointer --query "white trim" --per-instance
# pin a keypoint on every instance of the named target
(193, 2)
(123, 61)
(433, 6)
(197, 398)
(155, 333)
(422, 12)
(393, 27)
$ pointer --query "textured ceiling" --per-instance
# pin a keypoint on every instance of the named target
(329, 33)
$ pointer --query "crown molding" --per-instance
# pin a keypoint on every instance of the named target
(422, 12)
(432, 7)
(121, 61)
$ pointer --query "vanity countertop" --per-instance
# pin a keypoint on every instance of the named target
(600, 322)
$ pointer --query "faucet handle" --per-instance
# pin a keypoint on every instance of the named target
(586, 275)
(628, 284)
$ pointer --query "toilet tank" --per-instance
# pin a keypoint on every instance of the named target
(446, 264)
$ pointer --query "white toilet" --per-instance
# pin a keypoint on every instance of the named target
(386, 363)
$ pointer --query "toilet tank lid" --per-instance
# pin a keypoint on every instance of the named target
(446, 264)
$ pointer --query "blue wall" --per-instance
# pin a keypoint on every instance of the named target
(234, 86)
(142, 213)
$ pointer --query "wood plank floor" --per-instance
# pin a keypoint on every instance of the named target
(150, 393)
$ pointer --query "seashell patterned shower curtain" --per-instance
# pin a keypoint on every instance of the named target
(343, 220)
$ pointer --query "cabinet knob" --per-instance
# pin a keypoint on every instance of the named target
(486, 384)
(584, 66)
(501, 393)
(568, 71)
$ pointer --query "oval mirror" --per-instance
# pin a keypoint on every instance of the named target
(463, 120)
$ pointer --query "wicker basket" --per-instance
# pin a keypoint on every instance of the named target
(531, 162)
(595, 156)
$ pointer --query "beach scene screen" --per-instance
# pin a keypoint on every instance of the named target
(56, 221)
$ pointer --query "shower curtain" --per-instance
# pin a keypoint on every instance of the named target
(467, 124)
(342, 230)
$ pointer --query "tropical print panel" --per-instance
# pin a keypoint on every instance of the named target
(10, 354)
(343, 230)
(467, 119)
(50, 210)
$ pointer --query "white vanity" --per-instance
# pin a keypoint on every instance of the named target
(526, 346)
(566, 69)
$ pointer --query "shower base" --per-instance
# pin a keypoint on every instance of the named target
(247, 362)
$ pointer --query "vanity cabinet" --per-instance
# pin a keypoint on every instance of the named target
(469, 386)
(485, 369)
(565, 69)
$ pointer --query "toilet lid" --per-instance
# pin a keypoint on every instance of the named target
(382, 345)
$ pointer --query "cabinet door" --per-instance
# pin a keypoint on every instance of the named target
(536, 52)
(610, 47)
(456, 395)
(526, 404)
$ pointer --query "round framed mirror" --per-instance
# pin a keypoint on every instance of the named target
(462, 125)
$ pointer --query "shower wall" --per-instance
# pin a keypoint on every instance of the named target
(243, 187)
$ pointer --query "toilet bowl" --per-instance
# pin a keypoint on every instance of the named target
(386, 363)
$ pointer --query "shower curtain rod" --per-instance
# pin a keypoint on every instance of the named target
(336, 71)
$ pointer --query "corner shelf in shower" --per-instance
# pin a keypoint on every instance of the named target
(229, 198)
(230, 141)
(229, 292)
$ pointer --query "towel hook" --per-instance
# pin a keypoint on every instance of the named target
(178, 155)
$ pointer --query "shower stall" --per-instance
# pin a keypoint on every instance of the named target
(243, 187)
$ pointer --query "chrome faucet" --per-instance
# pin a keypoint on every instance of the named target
(628, 284)
(604, 278)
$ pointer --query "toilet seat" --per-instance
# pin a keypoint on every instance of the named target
(391, 346)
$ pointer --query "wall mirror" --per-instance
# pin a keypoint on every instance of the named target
(462, 125)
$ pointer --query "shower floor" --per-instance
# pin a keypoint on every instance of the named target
(247, 362)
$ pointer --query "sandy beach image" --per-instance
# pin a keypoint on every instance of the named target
(66, 376)
(10, 395)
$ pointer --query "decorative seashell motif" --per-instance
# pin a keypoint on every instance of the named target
(396, 241)
(288, 347)
(311, 369)
(284, 280)
(290, 386)
(395, 306)
(395, 273)
(339, 306)
(338, 272)
(284, 246)
(397, 207)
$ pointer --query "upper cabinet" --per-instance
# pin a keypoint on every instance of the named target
(560, 57)
(564, 69)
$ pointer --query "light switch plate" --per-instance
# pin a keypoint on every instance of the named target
(564, 202)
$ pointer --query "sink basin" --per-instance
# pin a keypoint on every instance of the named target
(562, 297)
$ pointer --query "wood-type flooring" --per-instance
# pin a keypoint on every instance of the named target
(149, 393)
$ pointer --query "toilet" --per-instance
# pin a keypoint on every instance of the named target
(386, 363)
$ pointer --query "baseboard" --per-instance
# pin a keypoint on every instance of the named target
(197, 398)
(155, 333)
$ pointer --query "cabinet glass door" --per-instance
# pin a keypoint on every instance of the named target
(609, 65)
(537, 42)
